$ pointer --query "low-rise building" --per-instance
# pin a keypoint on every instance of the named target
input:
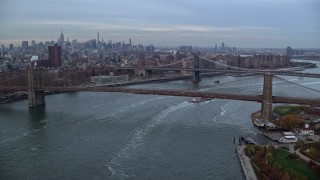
(306, 131)
(109, 79)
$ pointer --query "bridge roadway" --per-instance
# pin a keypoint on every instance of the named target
(272, 72)
(257, 98)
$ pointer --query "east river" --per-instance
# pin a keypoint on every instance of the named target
(91, 135)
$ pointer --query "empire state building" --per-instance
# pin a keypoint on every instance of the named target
(61, 40)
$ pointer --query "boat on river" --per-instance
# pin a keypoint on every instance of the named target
(248, 140)
(199, 99)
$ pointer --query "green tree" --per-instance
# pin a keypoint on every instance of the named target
(270, 149)
(269, 158)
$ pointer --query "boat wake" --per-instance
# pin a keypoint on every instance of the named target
(137, 104)
(136, 138)
(222, 113)
(17, 133)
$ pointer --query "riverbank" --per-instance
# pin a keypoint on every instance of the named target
(13, 97)
(20, 95)
(294, 119)
(246, 164)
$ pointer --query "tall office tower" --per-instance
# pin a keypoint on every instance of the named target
(61, 40)
(130, 41)
(98, 39)
(24, 45)
(11, 47)
(222, 46)
(2, 50)
(55, 55)
(289, 52)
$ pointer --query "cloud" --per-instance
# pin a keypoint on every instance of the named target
(154, 27)
(221, 20)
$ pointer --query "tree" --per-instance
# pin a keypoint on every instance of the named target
(290, 121)
(313, 153)
(298, 144)
(270, 149)
(269, 158)
(249, 150)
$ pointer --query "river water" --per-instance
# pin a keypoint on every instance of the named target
(92, 135)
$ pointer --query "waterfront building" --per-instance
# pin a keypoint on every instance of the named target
(109, 79)
(306, 131)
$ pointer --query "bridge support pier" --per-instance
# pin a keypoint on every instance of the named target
(266, 107)
(196, 72)
(143, 73)
(35, 97)
(148, 73)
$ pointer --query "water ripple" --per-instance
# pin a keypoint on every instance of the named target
(136, 139)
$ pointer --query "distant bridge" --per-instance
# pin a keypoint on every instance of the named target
(176, 66)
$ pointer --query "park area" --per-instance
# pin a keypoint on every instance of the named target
(276, 163)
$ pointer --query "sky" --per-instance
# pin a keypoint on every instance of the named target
(203, 23)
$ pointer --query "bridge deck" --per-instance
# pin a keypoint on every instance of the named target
(257, 98)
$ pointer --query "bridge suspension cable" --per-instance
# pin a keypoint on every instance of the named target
(253, 70)
(164, 65)
(299, 85)
(173, 63)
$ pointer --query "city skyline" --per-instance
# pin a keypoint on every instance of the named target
(261, 24)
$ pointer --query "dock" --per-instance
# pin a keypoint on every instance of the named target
(248, 140)
(275, 136)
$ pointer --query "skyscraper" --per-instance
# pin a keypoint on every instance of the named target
(2, 50)
(55, 55)
(61, 40)
(289, 52)
(24, 45)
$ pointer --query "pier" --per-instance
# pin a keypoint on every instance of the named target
(248, 140)
(275, 136)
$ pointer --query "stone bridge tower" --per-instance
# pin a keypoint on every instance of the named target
(196, 72)
(266, 107)
(35, 80)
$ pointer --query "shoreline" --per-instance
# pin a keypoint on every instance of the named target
(13, 97)
(246, 165)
